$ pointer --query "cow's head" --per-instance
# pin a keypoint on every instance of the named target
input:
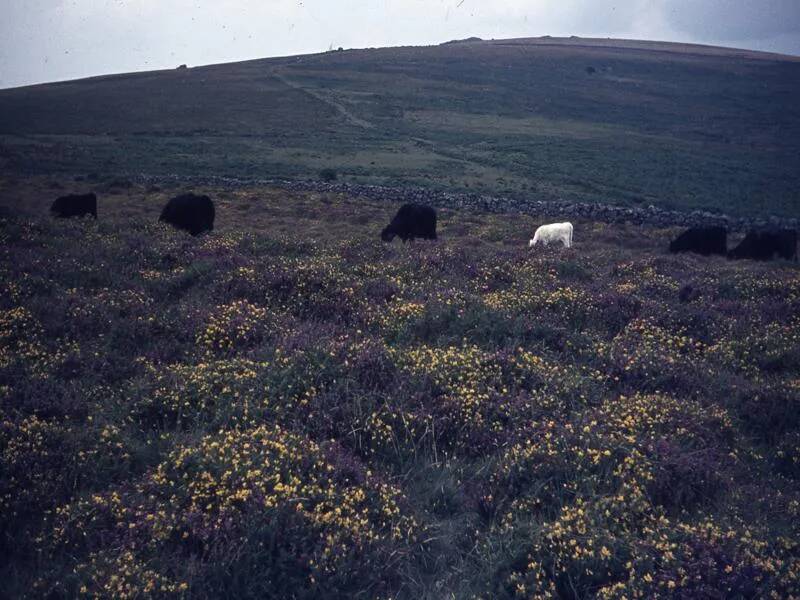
(387, 235)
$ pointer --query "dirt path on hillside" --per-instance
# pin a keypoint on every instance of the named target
(327, 99)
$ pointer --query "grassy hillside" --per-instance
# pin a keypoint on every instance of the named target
(666, 124)
(290, 408)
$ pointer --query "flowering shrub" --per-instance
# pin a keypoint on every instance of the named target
(44, 461)
(773, 347)
(569, 303)
(315, 525)
(649, 357)
(20, 335)
(643, 278)
(221, 392)
(234, 327)
(788, 454)
(606, 548)
(253, 413)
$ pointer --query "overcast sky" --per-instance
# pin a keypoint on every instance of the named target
(51, 40)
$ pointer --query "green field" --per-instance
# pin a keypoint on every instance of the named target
(666, 124)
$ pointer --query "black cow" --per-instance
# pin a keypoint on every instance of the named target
(688, 294)
(766, 244)
(411, 221)
(701, 240)
(190, 212)
(75, 205)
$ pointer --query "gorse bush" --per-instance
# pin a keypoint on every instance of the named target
(316, 414)
(279, 495)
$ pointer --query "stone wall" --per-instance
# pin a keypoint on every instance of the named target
(650, 215)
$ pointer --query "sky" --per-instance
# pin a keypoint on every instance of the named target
(55, 40)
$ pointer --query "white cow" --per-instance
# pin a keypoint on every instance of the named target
(555, 232)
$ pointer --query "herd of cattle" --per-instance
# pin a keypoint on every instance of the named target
(189, 212)
(195, 214)
(763, 244)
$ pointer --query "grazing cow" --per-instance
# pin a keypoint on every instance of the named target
(555, 232)
(688, 294)
(190, 212)
(701, 240)
(411, 221)
(75, 205)
(788, 244)
(765, 245)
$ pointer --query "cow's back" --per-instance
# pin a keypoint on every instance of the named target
(414, 221)
(190, 212)
(701, 240)
(75, 205)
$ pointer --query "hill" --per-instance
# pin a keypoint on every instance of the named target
(288, 407)
(579, 120)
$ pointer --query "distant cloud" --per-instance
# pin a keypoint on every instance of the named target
(733, 19)
(46, 40)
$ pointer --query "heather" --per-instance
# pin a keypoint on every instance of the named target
(289, 407)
